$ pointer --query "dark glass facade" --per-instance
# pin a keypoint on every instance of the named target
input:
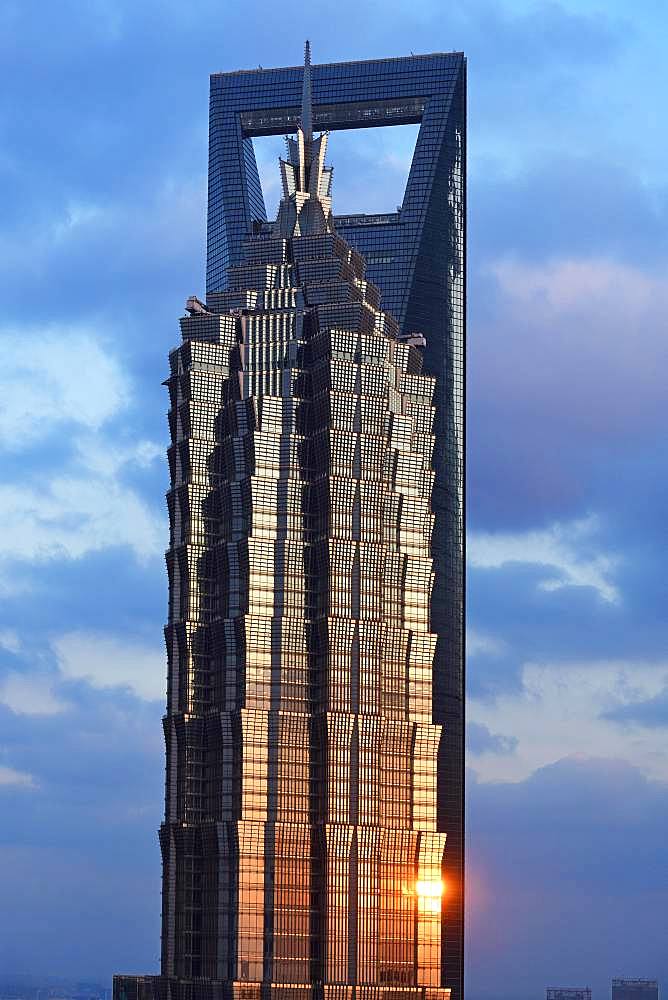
(313, 837)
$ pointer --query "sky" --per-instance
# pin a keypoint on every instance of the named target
(103, 147)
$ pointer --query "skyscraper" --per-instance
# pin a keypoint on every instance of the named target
(313, 837)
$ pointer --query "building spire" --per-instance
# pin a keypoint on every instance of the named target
(307, 96)
(306, 208)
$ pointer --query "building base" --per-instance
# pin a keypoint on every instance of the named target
(163, 988)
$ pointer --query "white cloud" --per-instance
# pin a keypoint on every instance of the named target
(71, 516)
(78, 214)
(104, 661)
(30, 694)
(112, 457)
(558, 713)
(9, 640)
(481, 644)
(9, 776)
(569, 284)
(53, 377)
(68, 378)
(564, 549)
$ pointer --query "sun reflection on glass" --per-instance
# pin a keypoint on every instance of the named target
(429, 888)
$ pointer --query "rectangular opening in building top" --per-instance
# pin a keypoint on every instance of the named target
(371, 168)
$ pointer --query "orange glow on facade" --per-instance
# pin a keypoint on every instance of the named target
(429, 888)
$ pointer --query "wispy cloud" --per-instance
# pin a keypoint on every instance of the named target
(64, 389)
(480, 644)
(567, 708)
(101, 660)
(566, 551)
(649, 714)
(70, 516)
(30, 693)
(480, 739)
(565, 284)
(20, 779)
(9, 640)
(61, 376)
(106, 661)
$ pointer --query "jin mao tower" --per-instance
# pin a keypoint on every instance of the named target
(306, 831)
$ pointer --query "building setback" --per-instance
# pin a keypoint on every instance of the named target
(313, 836)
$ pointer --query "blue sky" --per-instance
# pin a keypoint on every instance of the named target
(103, 124)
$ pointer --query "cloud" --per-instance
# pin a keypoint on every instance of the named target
(77, 215)
(154, 229)
(567, 285)
(565, 550)
(650, 714)
(371, 168)
(565, 380)
(81, 502)
(70, 516)
(566, 708)
(10, 777)
(479, 644)
(61, 388)
(30, 694)
(105, 661)
(574, 623)
(53, 378)
(581, 205)
(9, 640)
(492, 664)
(557, 862)
(98, 775)
(479, 740)
(98, 765)
(109, 458)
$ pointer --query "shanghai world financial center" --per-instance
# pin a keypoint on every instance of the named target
(313, 837)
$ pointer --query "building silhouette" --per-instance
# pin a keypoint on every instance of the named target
(568, 993)
(313, 835)
(635, 989)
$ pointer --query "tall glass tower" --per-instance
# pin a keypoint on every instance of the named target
(313, 837)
